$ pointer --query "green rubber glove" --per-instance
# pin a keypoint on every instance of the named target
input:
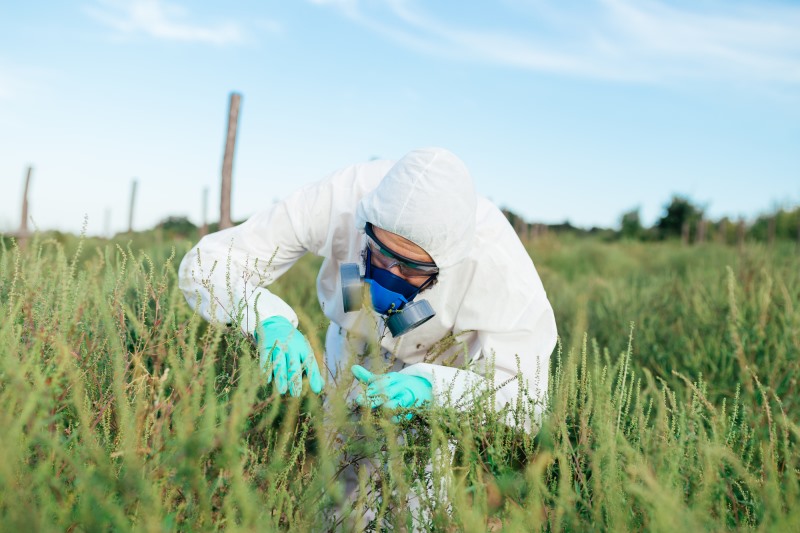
(392, 390)
(285, 354)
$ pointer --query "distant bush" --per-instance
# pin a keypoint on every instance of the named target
(177, 226)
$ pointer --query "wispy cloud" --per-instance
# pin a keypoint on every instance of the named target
(10, 82)
(17, 81)
(162, 20)
(642, 40)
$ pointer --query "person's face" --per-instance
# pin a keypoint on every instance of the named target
(403, 247)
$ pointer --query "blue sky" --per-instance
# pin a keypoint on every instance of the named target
(572, 111)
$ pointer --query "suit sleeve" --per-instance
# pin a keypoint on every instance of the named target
(226, 275)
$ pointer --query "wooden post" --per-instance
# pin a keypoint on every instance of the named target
(685, 233)
(771, 230)
(225, 220)
(721, 232)
(22, 234)
(107, 224)
(133, 204)
(23, 223)
(741, 234)
(204, 227)
(701, 231)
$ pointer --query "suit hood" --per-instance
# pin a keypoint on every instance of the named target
(429, 198)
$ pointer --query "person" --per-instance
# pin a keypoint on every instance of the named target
(428, 247)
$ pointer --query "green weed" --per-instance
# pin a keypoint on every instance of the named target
(672, 404)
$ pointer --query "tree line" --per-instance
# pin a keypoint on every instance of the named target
(681, 219)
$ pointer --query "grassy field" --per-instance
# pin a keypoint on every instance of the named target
(673, 404)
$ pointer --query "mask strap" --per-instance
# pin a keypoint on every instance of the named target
(368, 264)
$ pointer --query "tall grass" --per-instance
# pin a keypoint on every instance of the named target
(672, 405)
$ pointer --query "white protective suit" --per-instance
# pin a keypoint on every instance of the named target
(488, 292)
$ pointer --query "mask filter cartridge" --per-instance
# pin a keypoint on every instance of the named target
(352, 287)
(400, 321)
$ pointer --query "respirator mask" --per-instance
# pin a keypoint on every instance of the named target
(391, 295)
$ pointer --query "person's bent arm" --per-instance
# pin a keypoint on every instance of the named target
(224, 276)
(514, 357)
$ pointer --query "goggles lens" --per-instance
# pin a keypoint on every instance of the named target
(386, 259)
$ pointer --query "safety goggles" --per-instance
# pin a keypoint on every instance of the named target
(386, 258)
